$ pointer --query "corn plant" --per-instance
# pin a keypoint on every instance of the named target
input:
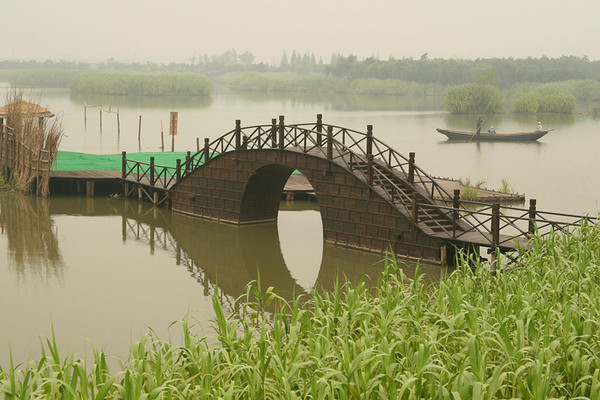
(529, 332)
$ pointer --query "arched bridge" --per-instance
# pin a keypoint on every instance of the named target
(370, 196)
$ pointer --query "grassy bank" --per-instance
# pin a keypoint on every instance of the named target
(115, 83)
(319, 83)
(146, 84)
(529, 333)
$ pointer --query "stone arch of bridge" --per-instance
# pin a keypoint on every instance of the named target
(245, 187)
(262, 193)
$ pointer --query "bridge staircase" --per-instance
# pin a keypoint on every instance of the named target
(416, 205)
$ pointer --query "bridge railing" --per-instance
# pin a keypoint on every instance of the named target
(502, 226)
(149, 173)
(365, 143)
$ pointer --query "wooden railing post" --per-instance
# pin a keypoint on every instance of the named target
(456, 206)
(495, 236)
(495, 225)
(273, 133)
(124, 164)
(177, 170)
(319, 129)
(206, 151)
(532, 211)
(370, 169)
(411, 167)
(238, 133)
(415, 207)
(330, 142)
(369, 139)
(188, 161)
(281, 132)
(151, 170)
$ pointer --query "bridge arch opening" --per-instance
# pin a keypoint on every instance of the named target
(263, 193)
(299, 222)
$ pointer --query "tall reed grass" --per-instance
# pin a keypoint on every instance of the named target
(528, 333)
(319, 83)
(29, 144)
(144, 84)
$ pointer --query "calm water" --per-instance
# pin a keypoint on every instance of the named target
(106, 269)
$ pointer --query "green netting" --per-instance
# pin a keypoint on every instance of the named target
(72, 161)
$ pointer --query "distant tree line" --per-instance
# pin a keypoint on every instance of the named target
(500, 72)
(482, 85)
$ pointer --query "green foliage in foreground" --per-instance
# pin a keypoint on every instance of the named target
(145, 84)
(474, 98)
(529, 333)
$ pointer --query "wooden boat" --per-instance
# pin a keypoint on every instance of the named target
(492, 137)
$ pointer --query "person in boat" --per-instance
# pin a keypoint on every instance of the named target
(492, 129)
(539, 128)
(479, 122)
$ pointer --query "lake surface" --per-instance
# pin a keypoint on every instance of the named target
(106, 269)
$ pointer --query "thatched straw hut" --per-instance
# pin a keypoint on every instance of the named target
(28, 147)
(26, 110)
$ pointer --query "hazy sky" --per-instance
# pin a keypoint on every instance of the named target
(176, 30)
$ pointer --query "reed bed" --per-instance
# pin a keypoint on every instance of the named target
(529, 333)
(29, 146)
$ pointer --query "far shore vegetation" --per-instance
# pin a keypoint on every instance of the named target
(528, 332)
(528, 85)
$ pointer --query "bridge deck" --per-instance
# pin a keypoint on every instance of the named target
(507, 243)
(86, 175)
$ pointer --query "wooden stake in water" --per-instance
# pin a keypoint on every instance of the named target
(173, 129)
(84, 115)
(100, 118)
(118, 123)
(140, 133)
(162, 137)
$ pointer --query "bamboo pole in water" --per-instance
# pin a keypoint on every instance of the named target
(162, 137)
(140, 134)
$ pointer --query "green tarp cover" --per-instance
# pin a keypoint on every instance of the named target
(72, 161)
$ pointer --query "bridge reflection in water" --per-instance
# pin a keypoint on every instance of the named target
(222, 254)
(230, 256)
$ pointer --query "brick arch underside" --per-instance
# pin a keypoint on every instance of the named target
(246, 186)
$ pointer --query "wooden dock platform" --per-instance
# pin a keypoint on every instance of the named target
(297, 187)
(73, 181)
